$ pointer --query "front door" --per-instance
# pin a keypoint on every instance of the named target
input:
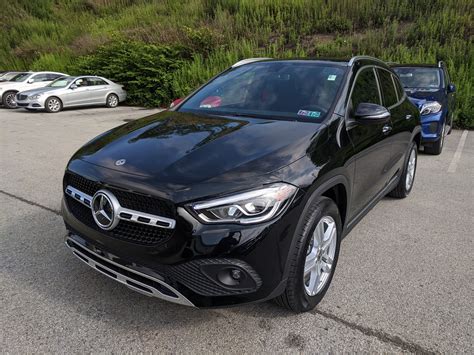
(370, 141)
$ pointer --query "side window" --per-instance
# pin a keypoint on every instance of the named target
(52, 76)
(40, 77)
(365, 89)
(96, 81)
(398, 87)
(388, 90)
(81, 82)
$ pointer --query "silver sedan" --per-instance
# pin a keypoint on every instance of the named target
(72, 91)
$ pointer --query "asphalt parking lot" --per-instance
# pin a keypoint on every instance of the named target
(404, 281)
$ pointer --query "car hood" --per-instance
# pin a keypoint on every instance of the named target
(428, 95)
(4, 84)
(184, 149)
(40, 90)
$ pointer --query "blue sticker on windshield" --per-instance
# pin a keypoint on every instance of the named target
(313, 114)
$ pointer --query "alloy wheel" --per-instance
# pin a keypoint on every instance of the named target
(410, 170)
(113, 101)
(10, 100)
(320, 256)
(54, 105)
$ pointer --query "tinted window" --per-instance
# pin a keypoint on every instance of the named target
(388, 90)
(365, 89)
(398, 87)
(419, 77)
(301, 90)
(96, 81)
(52, 76)
(41, 77)
(81, 82)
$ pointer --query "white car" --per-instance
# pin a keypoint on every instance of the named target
(72, 91)
(25, 81)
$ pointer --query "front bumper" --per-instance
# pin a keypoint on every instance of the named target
(30, 104)
(431, 127)
(196, 264)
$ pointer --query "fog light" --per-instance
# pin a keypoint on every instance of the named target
(230, 276)
(433, 127)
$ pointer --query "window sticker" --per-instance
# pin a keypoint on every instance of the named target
(313, 114)
(332, 77)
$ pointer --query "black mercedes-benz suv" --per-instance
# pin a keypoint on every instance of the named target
(243, 191)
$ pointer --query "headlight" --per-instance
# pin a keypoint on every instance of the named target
(34, 97)
(247, 207)
(430, 107)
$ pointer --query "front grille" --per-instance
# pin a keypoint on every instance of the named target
(21, 97)
(127, 199)
(127, 231)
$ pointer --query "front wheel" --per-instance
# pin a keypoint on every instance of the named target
(8, 99)
(112, 101)
(314, 258)
(405, 184)
(53, 105)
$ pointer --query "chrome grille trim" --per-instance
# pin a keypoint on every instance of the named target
(128, 281)
(152, 220)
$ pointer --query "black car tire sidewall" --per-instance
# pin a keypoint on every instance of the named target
(320, 208)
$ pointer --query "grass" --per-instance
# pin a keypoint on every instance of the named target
(56, 35)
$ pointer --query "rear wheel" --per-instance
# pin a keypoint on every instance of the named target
(437, 147)
(8, 99)
(315, 257)
(405, 184)
(53, 104)
(112, 101)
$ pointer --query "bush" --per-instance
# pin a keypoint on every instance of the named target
(144, 69)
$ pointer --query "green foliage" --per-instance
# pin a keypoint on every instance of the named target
(144, 69)
(193, 40)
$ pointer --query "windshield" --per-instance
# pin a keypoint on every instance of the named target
(295, 90)
(7, 76)
(422, 78)
(61, 82)
(20, 77)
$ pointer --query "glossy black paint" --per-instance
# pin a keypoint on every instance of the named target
(184, 157)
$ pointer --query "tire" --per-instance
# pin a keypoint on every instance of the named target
(299, 295)
(8, 99)
(437, 147)
(53, 104)
(404, 186)
(112, 101)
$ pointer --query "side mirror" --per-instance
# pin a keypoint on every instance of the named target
(176, 102)
(451, 88)
(73, 86)
(31, 81)
(371, 113)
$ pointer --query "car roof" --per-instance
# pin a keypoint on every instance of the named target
(338, 61)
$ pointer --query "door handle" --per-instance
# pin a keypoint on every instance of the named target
(408, 117)
(386, 129)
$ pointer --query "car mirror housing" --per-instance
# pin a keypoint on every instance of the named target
(30, 81)
(371, 113)
(451, 88)
(73, 86)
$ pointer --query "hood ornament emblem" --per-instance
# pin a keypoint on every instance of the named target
(120, 162)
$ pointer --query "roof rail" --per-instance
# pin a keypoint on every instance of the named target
(247, 61)
(359, 57)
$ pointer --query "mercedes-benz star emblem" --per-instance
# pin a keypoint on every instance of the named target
(120, 162)
(103, 209)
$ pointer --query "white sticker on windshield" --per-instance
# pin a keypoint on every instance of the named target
(332, 77)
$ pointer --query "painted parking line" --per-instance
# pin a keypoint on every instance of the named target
(457, 155)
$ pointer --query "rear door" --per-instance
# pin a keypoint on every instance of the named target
(371, 144)
(402, 119)
(98, 89)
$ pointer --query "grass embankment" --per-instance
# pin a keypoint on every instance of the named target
(163, 49)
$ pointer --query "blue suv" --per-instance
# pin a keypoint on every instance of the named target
(429, 87)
